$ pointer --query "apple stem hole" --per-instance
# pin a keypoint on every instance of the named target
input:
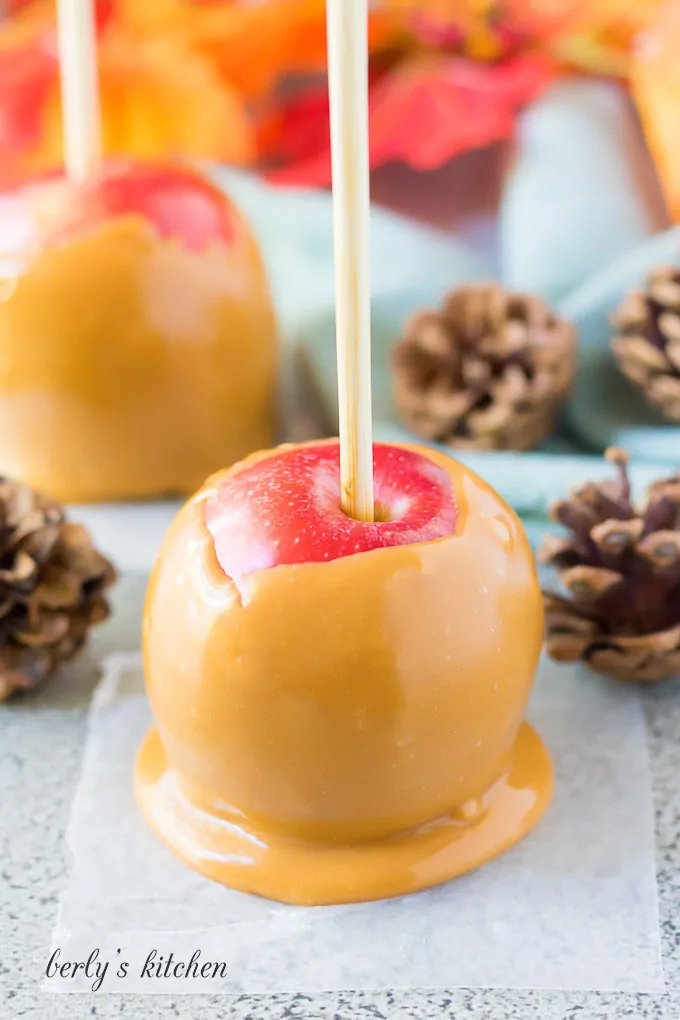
(381, 513)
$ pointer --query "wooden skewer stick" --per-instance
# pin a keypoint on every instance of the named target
(79, 88)
(347, 22)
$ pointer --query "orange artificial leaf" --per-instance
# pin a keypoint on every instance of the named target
(160, 93)
(255, 46)
(474, 28)
(251, 45)
(151, 16)
(189, 76)
(486, 29)
(21, 16)
(550, 17)
(656, 90)
(423, 112)
(20, 10)
(546, 18)
(159, 97)
(593, 35)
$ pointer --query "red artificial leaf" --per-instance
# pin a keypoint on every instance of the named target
(295, 138)
(422, 112)
(426, 112)
(104, 11)
(27, 76)
(29, 83)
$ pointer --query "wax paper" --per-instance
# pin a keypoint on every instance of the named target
(574, 906)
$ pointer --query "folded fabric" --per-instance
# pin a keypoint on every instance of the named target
(605, 409)
(565, 236)
(295, 230)
(581, 189)
(528, 481)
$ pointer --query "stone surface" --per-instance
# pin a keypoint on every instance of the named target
(41, 740)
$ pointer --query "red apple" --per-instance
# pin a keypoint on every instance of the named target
(176, 199)
(285, 508)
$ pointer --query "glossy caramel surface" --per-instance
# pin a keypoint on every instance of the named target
(131, 366)
(367, 702)
(312, 873)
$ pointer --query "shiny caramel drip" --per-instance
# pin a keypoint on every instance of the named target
(346, 730)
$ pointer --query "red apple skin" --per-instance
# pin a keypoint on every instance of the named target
(180, 202)
(285, 509)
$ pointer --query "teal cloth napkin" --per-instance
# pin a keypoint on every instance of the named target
(605, 409)
(577, 224)
(581, 189)
(528, 481)
(294, 228)
(316, 344)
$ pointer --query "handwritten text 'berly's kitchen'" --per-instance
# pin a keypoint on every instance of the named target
(155, 966)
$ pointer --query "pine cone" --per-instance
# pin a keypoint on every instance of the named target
(621, 569)
(647, 344)
(52, 584)
(489, 370)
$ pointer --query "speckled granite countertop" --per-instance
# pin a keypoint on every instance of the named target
(41, 740)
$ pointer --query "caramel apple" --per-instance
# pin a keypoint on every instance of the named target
(338, 705)
(137, 337)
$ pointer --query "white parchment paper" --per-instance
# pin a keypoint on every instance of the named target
(572, 907)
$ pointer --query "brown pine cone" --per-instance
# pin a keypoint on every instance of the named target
(621, 571)
(488, 370)
(647, 343)
(52, 584)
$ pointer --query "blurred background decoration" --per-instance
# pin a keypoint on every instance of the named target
(655, 77)
(243, 83)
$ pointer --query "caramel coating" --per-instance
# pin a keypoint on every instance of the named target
(133, 367)
(351, 729)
